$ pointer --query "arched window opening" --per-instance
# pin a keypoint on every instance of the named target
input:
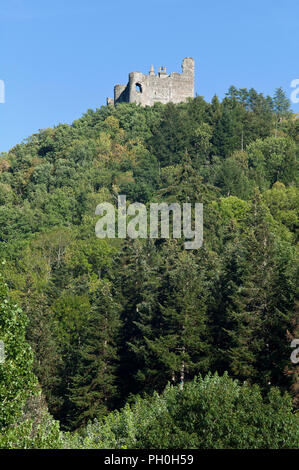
(138, 88)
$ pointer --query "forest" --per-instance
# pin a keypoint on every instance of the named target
(122, 343)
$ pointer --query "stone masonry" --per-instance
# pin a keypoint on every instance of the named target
(163, 87)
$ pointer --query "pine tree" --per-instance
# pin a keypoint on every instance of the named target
(138, 281)
(93, 389)
(260, 311)
(174, 334)
(224, 134)
(171, 137)
(281, 107)
(281, 104)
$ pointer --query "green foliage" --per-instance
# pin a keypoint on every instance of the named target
(273, 159)
(31, 435)
(209, 413)
(109, 319)
(93, 387)
(22, 424)
(172, 340)
(17, 380)
(281, 104)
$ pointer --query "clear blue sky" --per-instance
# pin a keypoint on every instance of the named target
(61, 57)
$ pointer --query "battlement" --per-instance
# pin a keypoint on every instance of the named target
(163, 87)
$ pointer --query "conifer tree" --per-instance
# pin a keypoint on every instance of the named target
(224, 135)
(93, 389)
(281, 104)
(138, 281)
(174, 340)
(260, 311)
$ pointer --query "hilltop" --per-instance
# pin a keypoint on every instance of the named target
(110, 319)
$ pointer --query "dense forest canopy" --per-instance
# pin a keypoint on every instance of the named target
(108, 320)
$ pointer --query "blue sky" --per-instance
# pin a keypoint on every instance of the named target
(59, 58)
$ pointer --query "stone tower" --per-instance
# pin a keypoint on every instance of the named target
(161, 87)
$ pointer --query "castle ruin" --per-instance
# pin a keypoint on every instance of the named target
(163, 87)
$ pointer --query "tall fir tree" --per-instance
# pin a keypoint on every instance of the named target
(261, 308)
(93, 389)
(174, 339)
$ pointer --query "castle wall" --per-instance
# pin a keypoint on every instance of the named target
(120, 93)
(148, 89)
